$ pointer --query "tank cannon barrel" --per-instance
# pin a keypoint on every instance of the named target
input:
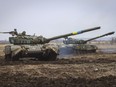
(11, 32)
(73, 33)
(7, 32)
(4, 32)
(110, 33)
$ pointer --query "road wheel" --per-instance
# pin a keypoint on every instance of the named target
(8, 57)
(17, 56)
(49, 55)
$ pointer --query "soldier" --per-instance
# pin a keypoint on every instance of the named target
(24, 33)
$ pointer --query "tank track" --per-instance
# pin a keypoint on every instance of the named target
(47, 55)
(84, 51)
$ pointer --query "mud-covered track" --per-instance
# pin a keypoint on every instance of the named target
(79, 59)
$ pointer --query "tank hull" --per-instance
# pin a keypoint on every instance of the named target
(40, 52)
(85, 48)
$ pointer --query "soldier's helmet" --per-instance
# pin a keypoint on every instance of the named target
(24, 33)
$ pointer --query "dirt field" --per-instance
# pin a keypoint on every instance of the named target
(88, 70)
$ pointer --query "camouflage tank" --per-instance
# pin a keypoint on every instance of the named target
(24, 46)
(81, 46)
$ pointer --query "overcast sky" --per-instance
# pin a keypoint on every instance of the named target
(54, 17)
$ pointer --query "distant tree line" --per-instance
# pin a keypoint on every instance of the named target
(4, 42)
(113, 40)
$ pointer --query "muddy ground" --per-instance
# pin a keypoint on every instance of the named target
(88, 70)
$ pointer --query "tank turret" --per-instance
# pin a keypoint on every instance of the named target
(75, 41)
(22, 38)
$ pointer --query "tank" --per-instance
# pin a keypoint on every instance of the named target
(81, 46)
(25, 46)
